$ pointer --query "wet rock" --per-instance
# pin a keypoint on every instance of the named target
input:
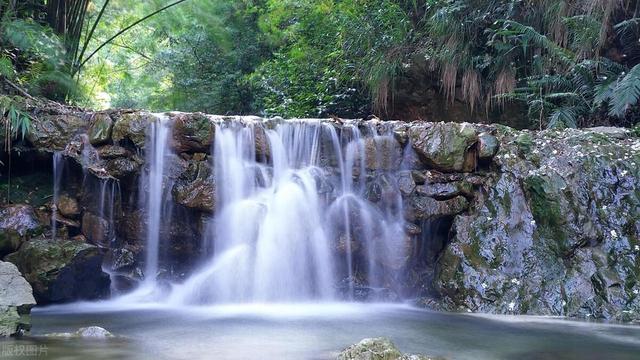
(193, 132)
(406, 183)
(16, 301)
(263, 148)
(195, 188)
(439, 191)
(54, 132)
(62, 270)
(418, 177)
(68, 206)
(121, 259)
(444, 146)
(487, 146)
(377, 349)
(65, 222)
(553, 233)
(132, 127)
(18, 223)
(90, 332)
(132, 228)
(100, 129)
(424, 207)
(96, 229)
(346, 244)
(121, 168)
(382, 153)
(112, 152)
(94, 332)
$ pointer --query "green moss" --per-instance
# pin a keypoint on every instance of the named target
(507, 202)
(448, 267)
(547, 212)
(524, 141)
(472, 254)
(497, 258)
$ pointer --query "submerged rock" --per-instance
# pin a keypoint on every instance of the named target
(377, 349)
(90, 332)
(18, 223)
(16, 301)
(62, 270)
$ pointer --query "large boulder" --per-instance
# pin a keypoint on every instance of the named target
(54, 132)
(377, 349)
(195, 187)
(193, 132)
(68, 206)
(132, 127)
(16, 301)
(123, 167)
(62, 270)
(445, 146)
(18, 223)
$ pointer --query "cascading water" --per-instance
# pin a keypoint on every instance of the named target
(289, 229)
(58, 170)
(153, 200)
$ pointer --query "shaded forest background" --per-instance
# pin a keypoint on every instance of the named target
(525, 63)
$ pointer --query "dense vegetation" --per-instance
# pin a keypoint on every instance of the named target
(531, 63)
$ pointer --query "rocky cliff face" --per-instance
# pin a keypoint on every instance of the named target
(498, 220)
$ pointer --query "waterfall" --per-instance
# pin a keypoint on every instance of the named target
(286, 229)
(154, 198)
(58, 169)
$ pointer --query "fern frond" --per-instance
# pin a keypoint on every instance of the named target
(528, 35)
(564, 116)
(627, 26)
(626, 93)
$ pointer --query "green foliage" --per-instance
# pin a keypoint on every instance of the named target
(569, 63)
(15, 121)
(6, 67)
(624, 93)
(35, 57)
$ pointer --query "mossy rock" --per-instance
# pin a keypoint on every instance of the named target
(192, 132)
(100, 130)
(62, 270)
(18, 223)
(54, 132)
(132, 127)
(444, 146)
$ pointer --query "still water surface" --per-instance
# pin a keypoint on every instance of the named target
(310, 331)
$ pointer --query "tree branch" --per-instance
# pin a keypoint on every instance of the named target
(125, 30)
(76, 67)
